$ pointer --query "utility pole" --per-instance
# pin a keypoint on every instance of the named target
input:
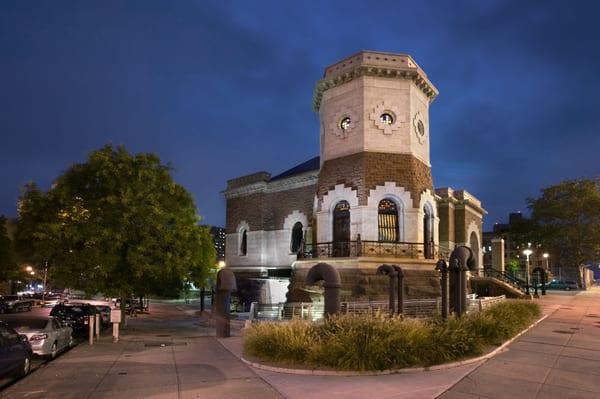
(45, 280)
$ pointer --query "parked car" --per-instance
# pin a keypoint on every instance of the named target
(74, 316)
(15, 352)
(51, 300)
(16, 303)
(101, 307)
(48, 336)
(562, 285)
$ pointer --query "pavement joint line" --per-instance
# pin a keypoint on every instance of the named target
(562, 346)
(253, 370)
(544, 317)
(554, 363)
(176, 373)
(107, 373)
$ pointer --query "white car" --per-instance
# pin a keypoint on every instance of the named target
(47, 335)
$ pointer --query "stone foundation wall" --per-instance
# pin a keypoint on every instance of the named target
(361, 284)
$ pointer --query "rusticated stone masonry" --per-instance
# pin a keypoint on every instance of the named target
(366, 170)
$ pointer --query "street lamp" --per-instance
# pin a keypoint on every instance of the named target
(546, 256)
(29, 269)
(527, 253)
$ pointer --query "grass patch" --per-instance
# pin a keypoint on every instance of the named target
(379, 342)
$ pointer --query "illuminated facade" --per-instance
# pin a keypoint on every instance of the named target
(367, 199)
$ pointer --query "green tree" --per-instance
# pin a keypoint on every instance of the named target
(116, 224)
(567, 220)
(513, 266)
(8, 266)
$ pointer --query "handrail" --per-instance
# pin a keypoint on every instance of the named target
(507, 278)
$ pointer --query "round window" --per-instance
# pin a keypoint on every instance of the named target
(386, 118)
(421, 128)
(345, 123)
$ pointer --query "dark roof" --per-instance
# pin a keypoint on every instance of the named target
(310, 165)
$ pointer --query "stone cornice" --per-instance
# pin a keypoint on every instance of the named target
(472, 207)
(302, 180)
(414, 74)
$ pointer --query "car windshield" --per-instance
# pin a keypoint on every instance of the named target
(27, 324)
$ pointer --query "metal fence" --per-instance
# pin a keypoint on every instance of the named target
(477, 304)
(419, 308)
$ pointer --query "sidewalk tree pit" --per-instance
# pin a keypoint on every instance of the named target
(381, 342)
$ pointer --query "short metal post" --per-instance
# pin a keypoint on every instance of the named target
(97, 326)
(115, 332)
(91, 329)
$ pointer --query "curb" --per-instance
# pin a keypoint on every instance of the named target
(408, 370)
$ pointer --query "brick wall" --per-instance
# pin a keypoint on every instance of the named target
(366, 170)
(267, 211)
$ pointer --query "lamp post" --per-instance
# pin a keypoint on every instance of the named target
(527, 253)
(546, 256)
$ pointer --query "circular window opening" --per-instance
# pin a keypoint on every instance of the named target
(421, 128)
(386, 118)
(345, 123)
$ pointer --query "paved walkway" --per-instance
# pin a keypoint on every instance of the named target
(559, 358)
(172, 354)
(191, 364)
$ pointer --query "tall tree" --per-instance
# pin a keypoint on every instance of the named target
(116, 224)
(8, 266)
(567, 220)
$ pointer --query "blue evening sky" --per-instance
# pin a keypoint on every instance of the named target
(224, 88)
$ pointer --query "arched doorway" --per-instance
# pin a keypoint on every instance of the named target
(428, 231)
(296, 240)
(341, 229)
(474, 245)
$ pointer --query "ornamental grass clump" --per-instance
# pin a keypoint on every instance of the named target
(379, 342)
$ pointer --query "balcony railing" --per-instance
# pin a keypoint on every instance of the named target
(352, 249)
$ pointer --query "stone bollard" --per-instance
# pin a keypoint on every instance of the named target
(225, 284)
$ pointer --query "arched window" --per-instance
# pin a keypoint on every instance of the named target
(296, 237)
(244, 243)
(388, 221)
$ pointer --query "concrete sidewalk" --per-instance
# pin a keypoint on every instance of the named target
(167, 354)
(418, 385)
(558, 358)
(172, 353)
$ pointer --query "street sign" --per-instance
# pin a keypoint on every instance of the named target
(115, 315)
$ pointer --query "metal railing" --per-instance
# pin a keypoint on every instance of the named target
(507, 278)
(478, 304)
(352, 249)
(418, 308)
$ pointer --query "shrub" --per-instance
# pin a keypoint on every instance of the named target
(378, 342)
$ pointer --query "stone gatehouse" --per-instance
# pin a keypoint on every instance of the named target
(367, 199)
